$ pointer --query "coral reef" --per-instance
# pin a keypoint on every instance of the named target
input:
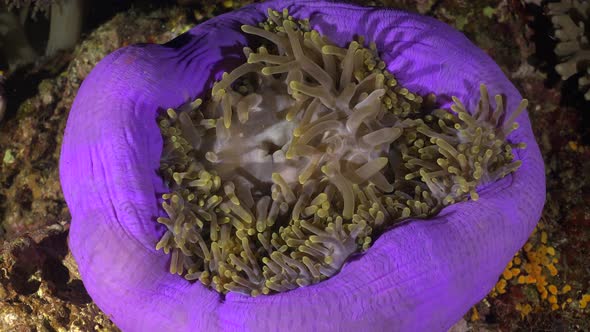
(559, 128)
(31, 202)
(31, 132)
(40, 288)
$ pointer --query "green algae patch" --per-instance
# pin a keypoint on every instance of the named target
(8, 157)
(304, 154)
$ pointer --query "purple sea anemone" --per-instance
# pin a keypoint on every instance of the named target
(419, 275)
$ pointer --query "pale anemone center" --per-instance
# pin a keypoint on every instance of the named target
(304, 153)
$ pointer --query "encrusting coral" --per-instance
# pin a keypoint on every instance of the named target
(417, 275)
(300, 144)
(571, 21)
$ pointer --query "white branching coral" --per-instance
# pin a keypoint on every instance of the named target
(305, 153)
(571, 21)
(65, 25)
(14, 45)
(34, 5)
